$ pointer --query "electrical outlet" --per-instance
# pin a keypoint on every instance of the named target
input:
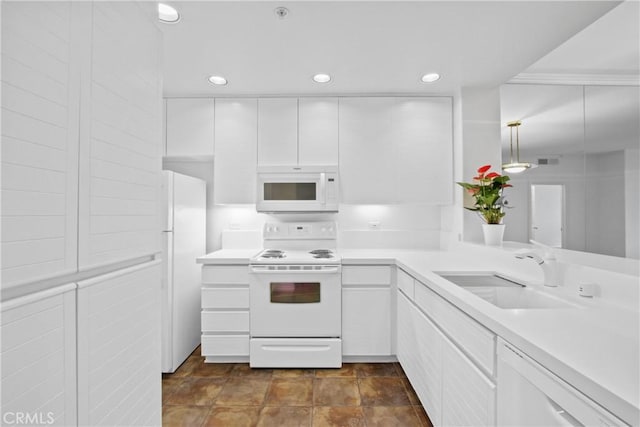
(374, 225)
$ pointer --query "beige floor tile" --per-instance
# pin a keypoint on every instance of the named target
(169, 385)
(285, 416)
(243, 391)
(391, 416)
(376, 370)
(347, 370)
(413, 397)
(382, 391)
(175, 416)
(196, 391)
(336, 392)
(233, 416)
(422, 416)
(290, 392)
(294, 373)
(212, 369)
(338, 416)
(243, 370)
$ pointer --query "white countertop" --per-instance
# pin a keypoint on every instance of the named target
(228, 256)
(595, 348)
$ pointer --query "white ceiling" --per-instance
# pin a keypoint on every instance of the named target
(368, 47)
(561, 118)
(611, 45)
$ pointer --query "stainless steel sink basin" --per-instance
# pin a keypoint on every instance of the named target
(505, 293)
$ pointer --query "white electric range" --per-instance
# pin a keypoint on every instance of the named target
(296, 297)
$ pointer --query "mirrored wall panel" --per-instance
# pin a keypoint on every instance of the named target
(583, 142)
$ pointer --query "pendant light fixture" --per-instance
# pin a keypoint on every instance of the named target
(517, 166)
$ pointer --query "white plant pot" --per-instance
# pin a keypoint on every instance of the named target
(493, 234)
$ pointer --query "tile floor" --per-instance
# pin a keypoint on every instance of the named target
(234, 395)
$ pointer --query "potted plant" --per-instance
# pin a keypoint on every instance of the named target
(487, 191)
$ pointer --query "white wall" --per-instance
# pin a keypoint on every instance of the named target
(400, 226)
(612, 223)
(570, 173)
(632, 202)
(605, 219)
(480, 119)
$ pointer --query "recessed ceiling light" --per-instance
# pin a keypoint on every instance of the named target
(167, 14)
(322, 78)
(218, 80)
(430, 78)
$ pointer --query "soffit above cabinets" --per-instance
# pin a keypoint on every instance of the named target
(367, 47)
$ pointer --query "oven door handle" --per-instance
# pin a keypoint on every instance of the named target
(264, 269)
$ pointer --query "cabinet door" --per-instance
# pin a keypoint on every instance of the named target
(468, 396)
(366, 321)
(420, 355)
(277, 131)
(39, 142)
(367, 150)
(38, 356)
(190, 126)
(318, 131)
(423, 141)
(119, 347)
(236, 150)
(120, 139)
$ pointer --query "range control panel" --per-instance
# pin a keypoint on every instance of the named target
(300, 230)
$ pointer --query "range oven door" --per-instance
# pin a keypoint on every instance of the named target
(295, 301)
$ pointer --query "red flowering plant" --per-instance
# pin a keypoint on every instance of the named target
(487, 191)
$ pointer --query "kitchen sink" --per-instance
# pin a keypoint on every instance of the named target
(505, 293)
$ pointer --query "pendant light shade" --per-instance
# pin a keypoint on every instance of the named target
(515, 166)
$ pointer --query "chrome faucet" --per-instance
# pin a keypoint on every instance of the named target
(547, 261)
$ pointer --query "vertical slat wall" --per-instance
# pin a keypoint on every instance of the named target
(39, 144)
(118, 325)
(38, 359)
(121, 147)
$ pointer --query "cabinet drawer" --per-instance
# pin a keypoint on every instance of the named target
(366, 275)
(225, 321)
(237, 297)
(476, 340)
(225, 275)
(406, 283)
(225, 345)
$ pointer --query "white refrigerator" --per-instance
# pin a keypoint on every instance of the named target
(184, 237)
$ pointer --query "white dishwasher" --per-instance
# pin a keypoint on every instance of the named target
(530, 395)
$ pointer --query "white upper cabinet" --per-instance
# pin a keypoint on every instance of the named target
(318, 131)
(121, 140)
(396, 150)
(367, 169)
(190, 126)
(236, 150)
(277, 131)
(39, 142)
(423, 141)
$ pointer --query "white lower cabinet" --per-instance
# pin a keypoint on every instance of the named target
(366, 321)
(225, 313)
(452, 388)
(468, 396)
(366, 311)
(419, 351)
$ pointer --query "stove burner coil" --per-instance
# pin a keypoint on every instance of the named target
(320, 252)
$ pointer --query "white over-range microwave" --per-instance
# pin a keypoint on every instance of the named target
(297, 189)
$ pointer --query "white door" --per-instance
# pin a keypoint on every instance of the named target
(547, 211)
